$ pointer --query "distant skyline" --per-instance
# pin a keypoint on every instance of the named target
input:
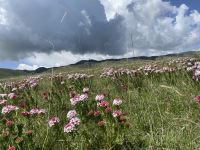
(59, 32)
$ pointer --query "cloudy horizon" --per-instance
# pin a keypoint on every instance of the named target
(57, 32)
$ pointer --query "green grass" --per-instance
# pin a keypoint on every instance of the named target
(7, 73)
(160, 109)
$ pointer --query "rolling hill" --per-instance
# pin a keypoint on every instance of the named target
(8, 73)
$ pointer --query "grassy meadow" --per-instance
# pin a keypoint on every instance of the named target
(131, 105)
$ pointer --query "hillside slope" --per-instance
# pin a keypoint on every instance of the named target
(7, 73)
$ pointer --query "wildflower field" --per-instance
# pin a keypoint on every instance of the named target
(152, 105)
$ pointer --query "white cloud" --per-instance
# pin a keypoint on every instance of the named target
(65, 58)
(27, 67)
(113, 7)
(3, 20)
(155, 24)
(61, 58)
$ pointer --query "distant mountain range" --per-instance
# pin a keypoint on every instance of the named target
(5, 73)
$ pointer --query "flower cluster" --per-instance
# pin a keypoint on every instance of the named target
(116, 113)
(99, 97)
(12, 96)
(76, 98)
(197, 99)
(54, 121)
(117, 102)
(196, 71)
(78, 76)
(73, 122)
(3, 102)
(9, 108)
(173, 66)
(71, 114)
(104, 109)
(111, 72)
(37, 111)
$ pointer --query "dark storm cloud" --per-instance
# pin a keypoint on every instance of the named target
(79, 26)
(95, 26)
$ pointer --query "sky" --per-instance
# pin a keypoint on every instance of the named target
(192, 4)
(60, 32)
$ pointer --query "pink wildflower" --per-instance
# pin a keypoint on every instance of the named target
(197, 99)
(103, 104)
(12, 96)
(99, 97)
(9, 123)
(83, 97)
(33, 85)
(3, 102)
(54, 121)
(36, 111)
(21, 87)
(75, 121)
(101, 123)
(25, 114)
(97, 113)
(69, 128)
(11, 148)
(9, 108)
(71, 114)
(117, 102)
(117, 113)
(74, 100)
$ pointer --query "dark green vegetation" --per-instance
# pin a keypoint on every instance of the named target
(7, 73)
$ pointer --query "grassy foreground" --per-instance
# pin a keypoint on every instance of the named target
(158, 110)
